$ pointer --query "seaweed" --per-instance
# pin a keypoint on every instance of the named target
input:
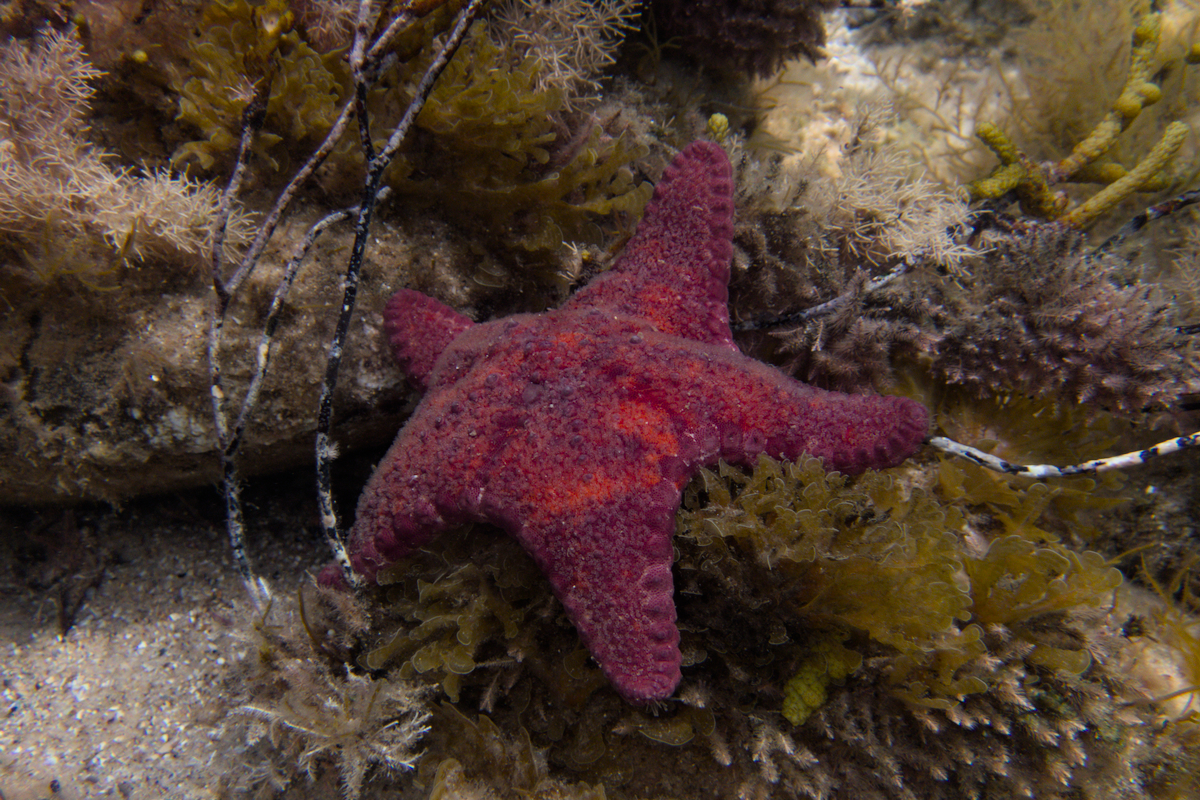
(69, 210)
(313, 708)
(900, 567)
(819, 615)
(247, 57)
(806, 691)
(456, 614)
(494, 762)
(498, 151)
(1033, 182)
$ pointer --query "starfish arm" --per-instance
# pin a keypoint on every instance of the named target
(674, 273)
(427, 483)
(850, 433)
(732, 407)
(419, 328)
(760, 411)
(611, 569)
(396, 515)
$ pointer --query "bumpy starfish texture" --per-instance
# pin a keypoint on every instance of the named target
(576, 430)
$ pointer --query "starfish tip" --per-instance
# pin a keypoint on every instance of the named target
(419, 329)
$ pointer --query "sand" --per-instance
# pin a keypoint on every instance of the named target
(129, 702)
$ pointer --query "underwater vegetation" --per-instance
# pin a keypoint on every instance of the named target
(930, 631)
(309, 709)
(118, 239)
(63, 203)
(499, 149)
(1073, 332)
(575, 42)
(869, 637)
(497, 143)
(996, 304)
(1031, 182)
(926, 632)
(753, 37)
(252, 54)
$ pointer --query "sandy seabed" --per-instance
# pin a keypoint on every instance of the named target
(129, 702)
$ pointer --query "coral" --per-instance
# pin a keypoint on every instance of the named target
(753, 37)
(58, 195)
(621, 393)
(1032, 182)
(251, 53)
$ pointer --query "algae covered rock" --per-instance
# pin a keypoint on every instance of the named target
(106, 392)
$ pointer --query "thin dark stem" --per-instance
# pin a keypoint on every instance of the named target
(424, 89)
(253, 117)
(267, 227)
(252, 121)
(369, 70)
(326, 451)
(822, 309)
(357, 56)
(366, 64)
(1155, 212)
(263, 351)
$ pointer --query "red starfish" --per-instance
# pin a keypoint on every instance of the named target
(576, 430)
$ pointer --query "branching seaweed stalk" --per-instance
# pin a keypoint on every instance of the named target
(377, 164)
(365, 64)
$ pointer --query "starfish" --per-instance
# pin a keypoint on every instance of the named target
(576, 429)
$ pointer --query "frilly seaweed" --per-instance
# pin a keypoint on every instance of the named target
(250, 54)
(817, 612)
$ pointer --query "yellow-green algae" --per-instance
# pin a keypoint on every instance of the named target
(801, 594)
(894, 562)
(828, 662)
(241, 48)
(495, 151)
(492, 150)
(1033, 182)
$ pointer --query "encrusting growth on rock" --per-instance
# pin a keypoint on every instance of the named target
(576, 430)
(752, 37)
